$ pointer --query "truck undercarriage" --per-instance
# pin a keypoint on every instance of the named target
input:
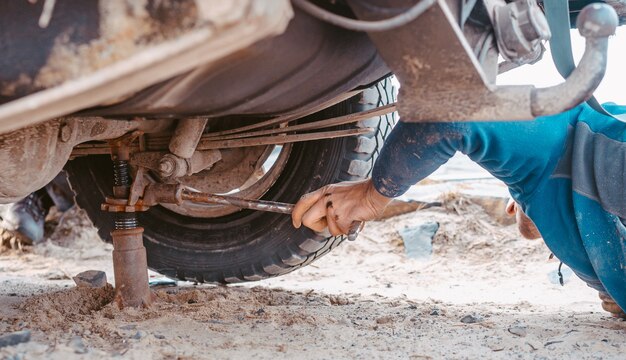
(254, 99)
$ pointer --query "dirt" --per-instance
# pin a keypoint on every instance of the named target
(131, 25)
(484, 292)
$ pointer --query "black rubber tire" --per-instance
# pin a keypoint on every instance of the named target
(247, 245)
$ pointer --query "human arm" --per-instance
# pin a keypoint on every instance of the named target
(337, 206)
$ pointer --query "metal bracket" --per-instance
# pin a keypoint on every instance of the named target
(442, 79)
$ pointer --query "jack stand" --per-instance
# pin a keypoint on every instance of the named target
(130, 264)
(130, 267)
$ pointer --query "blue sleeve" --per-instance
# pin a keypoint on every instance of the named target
(520, 153)
(412, 152)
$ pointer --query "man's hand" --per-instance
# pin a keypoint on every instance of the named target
(337, 206)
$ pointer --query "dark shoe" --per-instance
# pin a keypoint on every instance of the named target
(25, 217)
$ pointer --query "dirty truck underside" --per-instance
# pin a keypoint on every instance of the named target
(255, 99)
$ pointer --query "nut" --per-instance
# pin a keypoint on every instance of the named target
(166, 167)
(65, 133)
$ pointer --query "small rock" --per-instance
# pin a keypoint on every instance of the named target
(162, 281)
(518, 330)
(128, 327)
(91, 279)
(260, 312)
(14, 338)
(471, 319)
(338, 300)
(78, 345)
(418, 239)
(384, 320)
(138, 335)
(495, 344)
(435, 312)
(159, 336)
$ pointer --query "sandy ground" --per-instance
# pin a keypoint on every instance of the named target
(365, 299)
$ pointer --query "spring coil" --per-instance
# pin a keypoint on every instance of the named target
(121, 177)
(124, 221)
(121, 173)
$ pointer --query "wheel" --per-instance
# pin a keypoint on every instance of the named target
(247, 245)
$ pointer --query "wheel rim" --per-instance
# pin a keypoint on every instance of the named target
(254, 187)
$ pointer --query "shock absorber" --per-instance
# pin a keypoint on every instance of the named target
(130, 264)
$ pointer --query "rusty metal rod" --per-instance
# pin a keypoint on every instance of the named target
(261, 205)
(279, 139)
(211, 144)
(287, 118)
(336, 121)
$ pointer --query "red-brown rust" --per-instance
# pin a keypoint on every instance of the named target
(130, 267)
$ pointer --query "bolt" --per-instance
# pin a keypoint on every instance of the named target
(166, 167)
(65, 133)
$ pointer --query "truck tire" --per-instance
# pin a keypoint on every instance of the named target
(247, 245)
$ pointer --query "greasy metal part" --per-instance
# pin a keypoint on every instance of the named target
(341, 120)
(230, 173)
(171, 166)
(159, 193)
(287, 118)
(280, 139)
(130, 267)
(140, 182)
(596, 22)
(531, 59)
(210, 144)
(121, 179)
(245, 175)
(220, 31)
(130, 264)
(576, 89)
(186, 136)
(120, 155)
(35, 155)
(442, 80)
(115, 205)
(520, 28)
(161, 142)
(176, 193)
(261, 205)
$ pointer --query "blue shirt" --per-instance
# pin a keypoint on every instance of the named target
(567, 171)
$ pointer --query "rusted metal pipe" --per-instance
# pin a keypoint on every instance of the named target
(130, 266)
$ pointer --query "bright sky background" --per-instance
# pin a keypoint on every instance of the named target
(543, 73)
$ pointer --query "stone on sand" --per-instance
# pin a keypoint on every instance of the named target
(91, 279)
(418, 239)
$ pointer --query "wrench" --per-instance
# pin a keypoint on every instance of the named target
(261, 205)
